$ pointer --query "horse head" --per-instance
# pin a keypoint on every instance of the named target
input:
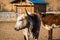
(21, 21)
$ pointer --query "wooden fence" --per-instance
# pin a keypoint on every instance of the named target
(7, 16)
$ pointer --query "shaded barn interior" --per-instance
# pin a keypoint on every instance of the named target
(39, 7)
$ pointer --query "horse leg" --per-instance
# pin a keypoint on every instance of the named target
(30, 30)
(25, 32)
(30, 33)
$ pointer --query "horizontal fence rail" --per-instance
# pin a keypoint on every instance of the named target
(7, 16)
(52, 12)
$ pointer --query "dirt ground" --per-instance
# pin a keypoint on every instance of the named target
(7, 32)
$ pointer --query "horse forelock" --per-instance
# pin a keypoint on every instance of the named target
(22, 16)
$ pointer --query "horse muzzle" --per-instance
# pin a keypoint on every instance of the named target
(17, 29)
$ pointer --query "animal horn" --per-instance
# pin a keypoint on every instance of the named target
(26, 11)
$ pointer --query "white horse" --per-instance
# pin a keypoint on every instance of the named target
(26, 23)
(22, 23)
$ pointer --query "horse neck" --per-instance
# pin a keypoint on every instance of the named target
(40, 17)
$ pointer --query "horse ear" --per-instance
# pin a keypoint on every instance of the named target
(27, 12)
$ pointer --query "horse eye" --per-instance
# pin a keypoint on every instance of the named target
(26, 17)
(21, 20)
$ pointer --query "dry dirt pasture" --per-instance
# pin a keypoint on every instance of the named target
(7, 32)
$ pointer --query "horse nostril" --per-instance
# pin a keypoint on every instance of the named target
(16, 29)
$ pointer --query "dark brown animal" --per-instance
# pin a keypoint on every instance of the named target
(50, 19)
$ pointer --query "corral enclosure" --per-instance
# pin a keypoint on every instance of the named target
(7, 31)
(8, 20)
